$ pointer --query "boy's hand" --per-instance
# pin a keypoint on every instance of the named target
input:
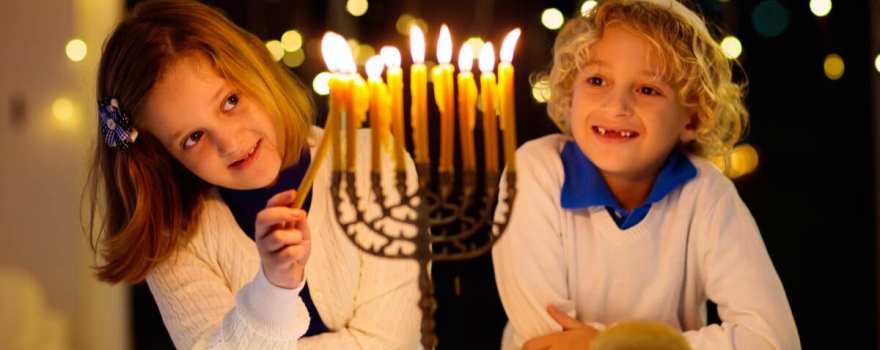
(283, 240)
(575, 334)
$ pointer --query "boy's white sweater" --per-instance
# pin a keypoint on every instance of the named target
(698, 242)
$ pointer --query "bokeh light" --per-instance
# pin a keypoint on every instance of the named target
(76, 50)
(770, 18)
(588, 6)
(357, 8)
(820, 8)
(552, 18)
(291, 40)
(275, 49)
(833, 66)
(321, 83)
(294, 59)
(731, 46)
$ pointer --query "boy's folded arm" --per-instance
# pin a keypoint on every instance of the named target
(740, 278)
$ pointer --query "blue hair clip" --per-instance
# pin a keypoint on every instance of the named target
(115, 125)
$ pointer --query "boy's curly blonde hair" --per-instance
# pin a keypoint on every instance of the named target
(692, 61)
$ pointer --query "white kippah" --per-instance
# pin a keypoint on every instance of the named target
(681, 10)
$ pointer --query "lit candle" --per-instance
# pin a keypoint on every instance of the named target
(329, 49)
(443, 94)
(508, 111)
(394, 74)
(378, 108)
(360, 103)
(419, 107)
(467, 91)
(352, 120)
(488, 90)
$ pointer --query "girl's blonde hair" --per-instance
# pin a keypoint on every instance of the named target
(693, 62)
(149, 202)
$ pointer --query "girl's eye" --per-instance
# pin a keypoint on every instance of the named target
(595, 81)
(192, 139)
(647, 90)
(230, 103)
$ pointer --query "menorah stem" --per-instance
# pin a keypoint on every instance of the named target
(427, 304)
(423, 255)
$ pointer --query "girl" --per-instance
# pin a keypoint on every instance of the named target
(202, 139)
(626, 220)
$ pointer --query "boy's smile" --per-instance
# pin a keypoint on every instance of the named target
(606, 134)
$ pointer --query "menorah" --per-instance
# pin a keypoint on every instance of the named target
(446, 218)
(432, 210)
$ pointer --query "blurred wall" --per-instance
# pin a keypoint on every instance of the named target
(43, 162)
(875, 87)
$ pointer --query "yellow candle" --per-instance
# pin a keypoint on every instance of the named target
(336, 109)
(395, 88)
(467, 91)
(419, 107)
(348, 103)
(329, 47)
(445, 98)
(439, 99)
(360, 102)
(508, 111)
(378, 110)
(488, 89)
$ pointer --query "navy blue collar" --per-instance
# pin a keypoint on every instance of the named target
(245, 204)
(584, 186)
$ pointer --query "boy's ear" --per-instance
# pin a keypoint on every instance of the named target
(690, 129)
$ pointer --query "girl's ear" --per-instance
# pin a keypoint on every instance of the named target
(689, 133)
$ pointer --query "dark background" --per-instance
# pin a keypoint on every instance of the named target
(812, 195)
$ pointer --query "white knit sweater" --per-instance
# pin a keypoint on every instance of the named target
(698, 242)
(213, 294)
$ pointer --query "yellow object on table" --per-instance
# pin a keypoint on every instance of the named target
(640, 335)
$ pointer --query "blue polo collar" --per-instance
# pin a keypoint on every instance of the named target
(584, 186)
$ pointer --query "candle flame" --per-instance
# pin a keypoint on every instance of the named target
(346, 59)
(391, 55)
(487, 58)
(509, 44)
(465, 58)
(374, 67)
(337, 54)
(328, 51)
(417, 44)
(444, 46)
